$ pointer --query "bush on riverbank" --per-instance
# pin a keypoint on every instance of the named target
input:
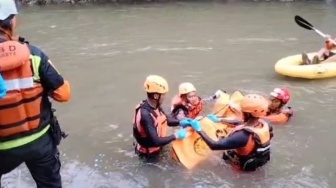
(44, 2)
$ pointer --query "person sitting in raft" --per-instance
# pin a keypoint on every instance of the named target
(187, 103)
(150, 122)
(325, 54)
(248, 145)
(278, 112)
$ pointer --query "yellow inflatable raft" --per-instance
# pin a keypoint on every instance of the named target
(290, 66)
(193, 150)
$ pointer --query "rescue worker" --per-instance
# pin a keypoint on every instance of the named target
(187, 104)
(150, 122)
(325, 54)
(278, 112)
(29, 132)
(248, 145)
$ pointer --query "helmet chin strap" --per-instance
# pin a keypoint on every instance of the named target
(153, 99)
(8, 34)
(249, 119)
(158, 101)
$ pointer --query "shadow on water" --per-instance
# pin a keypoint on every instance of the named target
(140, 175)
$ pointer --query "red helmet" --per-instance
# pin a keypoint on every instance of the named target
(281, 94)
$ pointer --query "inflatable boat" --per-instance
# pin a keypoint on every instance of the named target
(291, 66)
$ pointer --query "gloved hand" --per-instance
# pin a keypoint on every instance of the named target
(287, 111)
(196, 125)
(180, 134)
(3, 88)
(214, 118)
(198, 118)
(217, 93)
(234, 106)
(185, 122)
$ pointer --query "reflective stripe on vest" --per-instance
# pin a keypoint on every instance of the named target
(35, 63)
(19, 84)
(20, 109)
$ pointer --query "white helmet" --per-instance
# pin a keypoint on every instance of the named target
(7, 8)
(186, 88)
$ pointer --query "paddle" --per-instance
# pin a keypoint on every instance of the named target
(305, 24)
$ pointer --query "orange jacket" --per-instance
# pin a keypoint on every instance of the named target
(257, 147)
(139, 132)
(26, 78)
(278, 117)
(260, 132)
(193, 110)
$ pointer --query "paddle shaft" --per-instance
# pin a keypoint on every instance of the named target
(307, 25)
(324, 36)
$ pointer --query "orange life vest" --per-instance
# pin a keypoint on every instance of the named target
(20, 109)
(192, 110)
(256, 153)
(277, 116)
(139, 132)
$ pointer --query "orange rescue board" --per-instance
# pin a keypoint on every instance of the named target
(193, 150)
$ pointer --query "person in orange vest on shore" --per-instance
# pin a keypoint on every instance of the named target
(150, 121)
(278, 112)
(29, 132)
(187, 104)
(247, 145)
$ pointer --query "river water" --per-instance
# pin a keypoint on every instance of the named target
(107, 51)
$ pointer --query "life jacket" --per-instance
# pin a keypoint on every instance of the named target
(192, 111)
(20, 109)
(277, 116)
(143, 145)
(256, 153)
(278, 111)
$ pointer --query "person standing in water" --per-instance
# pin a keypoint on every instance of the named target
(29, 132)
(187, 104)
(247, 145)
(278, 112)
(150, 122)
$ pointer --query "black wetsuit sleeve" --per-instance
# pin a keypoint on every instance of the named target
(238, 139)
(171, 121)
(149, 126)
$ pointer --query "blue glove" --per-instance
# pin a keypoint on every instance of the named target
(3, 88)
(214, 118)
(196, 125)
(185, 122)
(181, 134)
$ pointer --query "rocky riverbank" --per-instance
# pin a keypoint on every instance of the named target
(45, 2)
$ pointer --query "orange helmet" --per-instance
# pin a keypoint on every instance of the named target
(254, 104)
